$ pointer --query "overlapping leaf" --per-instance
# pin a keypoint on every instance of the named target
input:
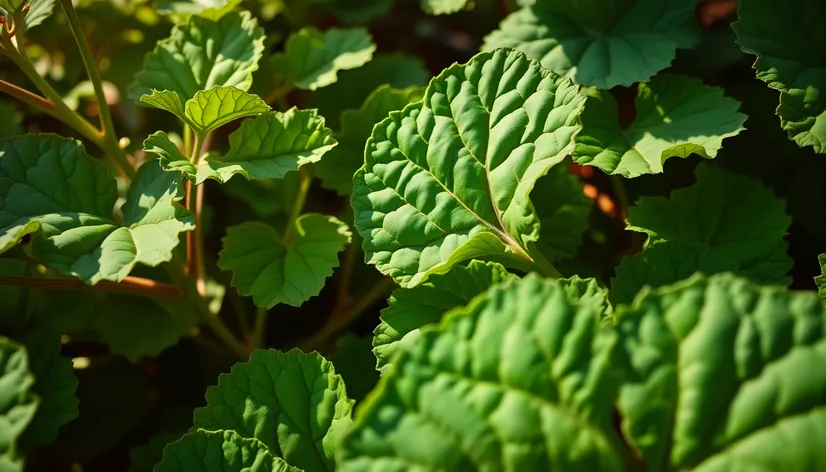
(447, 179)
(291, 269)
(518, 380)
(736, 217)
(312, 59)
(675, 117)
(722, 375)
(265, 147)
(786, 39)
(337, 169)
(293, 403)
(219, 451)
(17, 403)
(600, 43)
(52, 189)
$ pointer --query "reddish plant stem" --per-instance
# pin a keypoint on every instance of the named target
(128, 286)
(28, 97)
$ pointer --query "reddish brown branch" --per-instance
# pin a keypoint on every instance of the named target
(129, 286)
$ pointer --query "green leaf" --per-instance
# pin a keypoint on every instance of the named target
(219, 451)
(212, 9)
(442, 7)
(600, 43)
(38, 12)
(735, 216)
(202, 54)
(518, 380)
(337, 169)
(55, 385)
(290, 269)
(723, 375)
(49, 186)
(447, 179)
(412, 308)
(675, 117)
(209, 109)
(294, 403)
(820, 280)
(144, 457)
(784, 38)
(312, 59)
(17, 403)
(663, 264)
(563, 210)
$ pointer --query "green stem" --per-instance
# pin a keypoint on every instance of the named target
(195, 238)
(298, 206)
(350, 256)
(259, 335)
(618, 186)
(542, 264)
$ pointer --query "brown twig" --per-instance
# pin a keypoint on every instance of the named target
(128, 286)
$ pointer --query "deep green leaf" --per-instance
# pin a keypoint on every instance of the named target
(443, 7)
(786, 39)
(447, 179)
(518, 380)
(294, 403)
(735, 216)
(17, 403)
(202, 54)
(219, 451)
(600, 43)
(144, 457)
(563, 210)
(675, 117)
(312, 59)
(275, 269)
(412, 308)
(337, 169)
(723, 375)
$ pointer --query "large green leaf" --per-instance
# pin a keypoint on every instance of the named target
(291, 269)
(202, 54)
(442, 7)
(294, 403)
(735, 216)
(675, 117)
(600, 43)
(447, 179)
(312, 59)
(787, 39)
(337, 169)
(723, 375)
(219, 451)
(412, 308)
(49, 186)
(265, 147)
(518, 380)
(563, 210)
(17, 404)
(663, 264)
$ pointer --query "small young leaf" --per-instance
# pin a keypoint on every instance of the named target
(202, 54)
(17, 403)
(312, 59)
(676, 117)
(447, 179)
(442, 7)
(412, 308)
(600, 43)
(337, 169)
(563, 210)
(723, 375)
(736, 217)
(294, 403)
(219, 451)
(782, 36)
(274, 269)
(518, 380)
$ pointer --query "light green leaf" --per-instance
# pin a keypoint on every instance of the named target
(337, 169)
(675, 117)
(312, 59)
(735, 216)
(600, 43)
(144, 457)
(412, 308)
(55, 384)
(518, 380)
(663, 264)
(202, 54)
(447, 179)
(723, 375)
(820, 280)
(212, 9)
(294, 403)
(290, 269)
(442, 7)
(51, 187)
(38, 12)
(785, 38)
(17, 404)
(563, 210)
(219, 451)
